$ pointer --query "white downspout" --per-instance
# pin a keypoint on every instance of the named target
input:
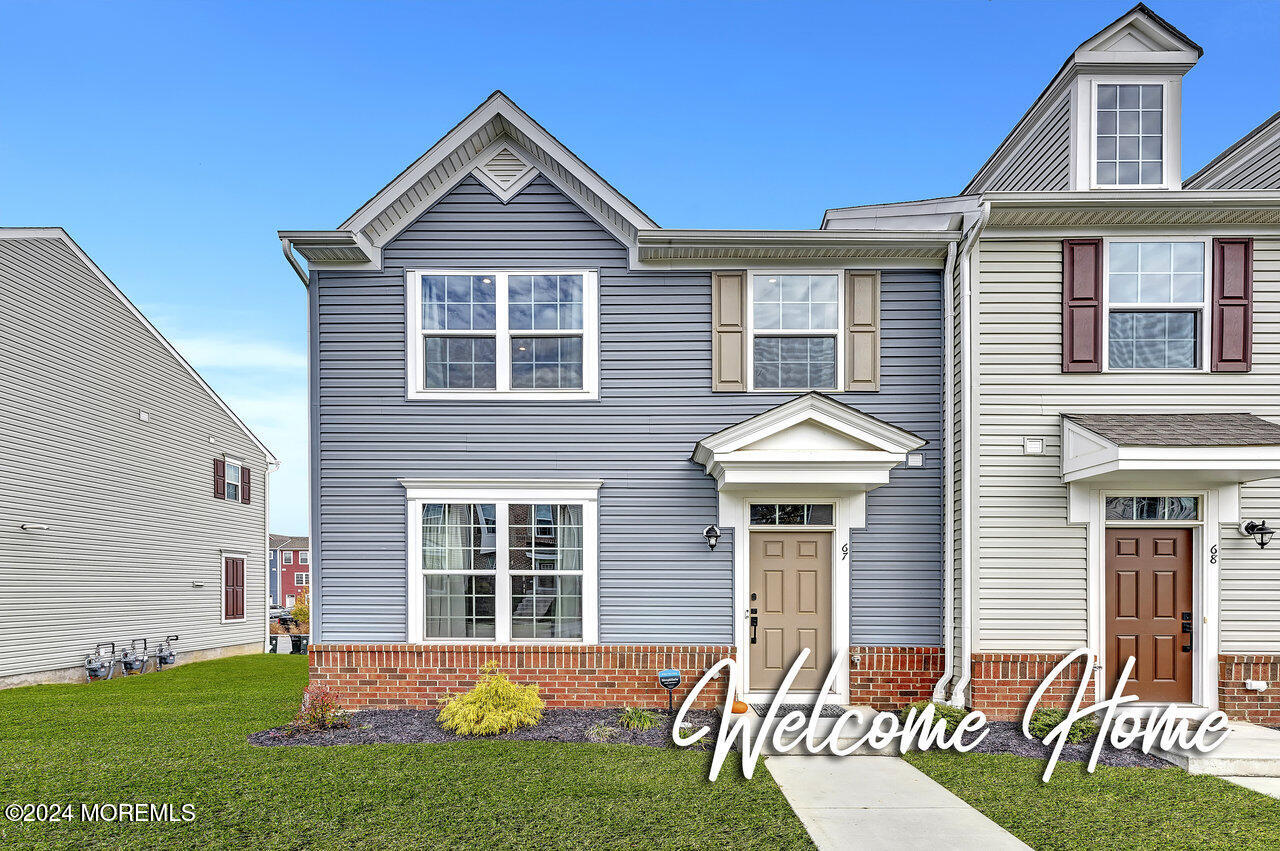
(967, 473)
(947, 291)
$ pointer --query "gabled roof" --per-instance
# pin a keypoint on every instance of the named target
(504, 147)
(61, 235)
(290, 542)
(1137, 39)
(1257, 152)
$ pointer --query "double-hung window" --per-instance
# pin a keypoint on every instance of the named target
(1129, 134)
(1155, 305)
(288, 556)
(502, 334)
(232, 487)
(503, 566)
(795, 331)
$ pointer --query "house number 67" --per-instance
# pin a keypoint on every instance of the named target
(1213, 554)
(844, 552)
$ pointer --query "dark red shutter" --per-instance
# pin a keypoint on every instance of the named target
(233, 588)
(1082, 305)
(219, 479)
(1232, 309)
(244, 485)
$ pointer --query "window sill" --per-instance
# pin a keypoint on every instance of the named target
(502, 395)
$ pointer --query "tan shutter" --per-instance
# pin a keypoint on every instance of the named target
(862, 316)
(729, 332)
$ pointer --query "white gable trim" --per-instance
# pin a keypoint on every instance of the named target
(733, 459)
(500, 108)
(60, 234)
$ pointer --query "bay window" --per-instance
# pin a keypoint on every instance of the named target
(502, 334)
(1155, 305)
(502, 564)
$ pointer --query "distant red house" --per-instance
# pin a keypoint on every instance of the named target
(290, 568)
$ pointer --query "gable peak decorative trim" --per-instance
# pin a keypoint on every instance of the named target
(505, 172)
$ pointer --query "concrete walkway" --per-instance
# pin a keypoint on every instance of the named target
(880, 802)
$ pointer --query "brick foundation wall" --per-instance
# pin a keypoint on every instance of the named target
(891, 677)
(1001, 684)
(393, 676)
(1233, 699)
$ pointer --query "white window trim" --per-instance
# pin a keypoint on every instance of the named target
(1202, 306)
(223, 555)
(288, 556)
(415, 391)
(1170, 148)
(502, 493)
(304, 557)
(840, 330)
(229, 461)
(302, 579)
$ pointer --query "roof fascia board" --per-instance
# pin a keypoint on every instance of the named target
(59, 233)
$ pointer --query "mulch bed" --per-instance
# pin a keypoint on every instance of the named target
(1005, 737)
(402, 726)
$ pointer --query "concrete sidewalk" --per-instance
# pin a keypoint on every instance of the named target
(880, 802)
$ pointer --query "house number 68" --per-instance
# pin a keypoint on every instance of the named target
(1213, 554)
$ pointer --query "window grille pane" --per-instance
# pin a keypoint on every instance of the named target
(546, 606)
(545, 302)
(458, 302)
(545, 537)
(1129, 135)
(790, 514)
(460, 363)
(459, 605)
(1153, 340)
(795, 363)
(1153, 508)
(546, 363)
(764, 515)
(458, 536)
(1119, 508)
(795, 302)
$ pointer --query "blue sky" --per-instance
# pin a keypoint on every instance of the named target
(173, 139)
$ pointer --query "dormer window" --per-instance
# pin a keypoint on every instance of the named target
(1129, 142)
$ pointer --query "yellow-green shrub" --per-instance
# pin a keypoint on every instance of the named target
(496, 705)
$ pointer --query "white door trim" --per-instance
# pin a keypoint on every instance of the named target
(1217, 508)
(850, 513)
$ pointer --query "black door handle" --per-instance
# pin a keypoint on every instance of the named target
(754, 620)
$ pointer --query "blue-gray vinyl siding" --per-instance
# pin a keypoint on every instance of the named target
(657, 580)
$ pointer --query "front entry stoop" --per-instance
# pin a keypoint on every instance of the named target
(850, 733)
(1249, 751)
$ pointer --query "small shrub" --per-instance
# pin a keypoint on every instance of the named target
(320, 711)
(495, 705)
(600, 732)
(635, 718)
(952, 715)
(1043, 720)
(301, 611)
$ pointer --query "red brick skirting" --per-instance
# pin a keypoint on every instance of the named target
(1236, 701)
(1001, 684)
(390, 676)
(891, 677)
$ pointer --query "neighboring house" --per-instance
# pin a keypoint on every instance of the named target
(290, 569)
(134, 500)
(917, 430)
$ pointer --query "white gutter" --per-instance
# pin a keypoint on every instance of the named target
(287, 246)
(967, 477)
(948, 452)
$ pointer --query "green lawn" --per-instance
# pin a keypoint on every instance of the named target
(179, 737)
(1127, 808)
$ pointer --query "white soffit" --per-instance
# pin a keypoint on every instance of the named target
(810, 442)
(1090, 457)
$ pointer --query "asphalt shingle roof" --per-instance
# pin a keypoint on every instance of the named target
(290, 542)
(1181, 429)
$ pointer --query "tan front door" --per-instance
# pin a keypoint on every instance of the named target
(790, 595)
(1149, 597)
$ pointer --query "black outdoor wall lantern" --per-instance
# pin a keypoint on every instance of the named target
(712, 534)
(1259, 531)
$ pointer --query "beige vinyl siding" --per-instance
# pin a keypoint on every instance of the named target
(129, 504)
(1042, 163)
(1031, 565)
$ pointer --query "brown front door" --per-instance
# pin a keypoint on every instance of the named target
(1149, 597)
(791, 597)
